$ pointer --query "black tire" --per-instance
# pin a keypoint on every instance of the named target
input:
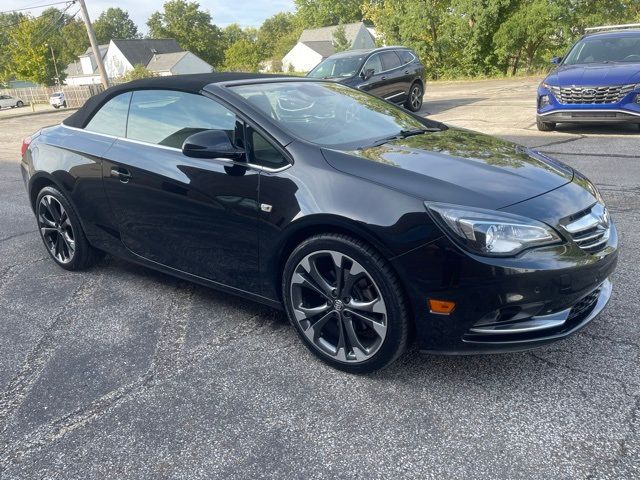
(84, 255)
(56, 106)
(545, 126)
(415, 98)
(387, 289)
(20, 104)
(64, 104)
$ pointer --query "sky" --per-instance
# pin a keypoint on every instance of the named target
(223, 12)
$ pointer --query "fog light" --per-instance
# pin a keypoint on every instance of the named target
(544, 101)
(441, 307)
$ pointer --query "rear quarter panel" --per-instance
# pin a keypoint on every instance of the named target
(70, 159)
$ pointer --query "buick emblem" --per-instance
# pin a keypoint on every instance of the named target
(338, 305)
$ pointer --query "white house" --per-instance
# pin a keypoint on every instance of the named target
(314, 45)
(162, 56)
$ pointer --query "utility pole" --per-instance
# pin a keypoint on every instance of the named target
(55, 64)
(94, 44)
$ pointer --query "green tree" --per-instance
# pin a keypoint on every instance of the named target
(138, 72)
(416, 24)
(534, 27)
(340, 42)
(232, 33)
(277, 35)
(469, 28)
(242, 56)
(191, 28)
(29, 42)
(323, 13)
(114, 23)
(27, 55)
(7, 22)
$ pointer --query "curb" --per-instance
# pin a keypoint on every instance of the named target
(43, 112)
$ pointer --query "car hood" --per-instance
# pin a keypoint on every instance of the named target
(595, 75)
(456, 166)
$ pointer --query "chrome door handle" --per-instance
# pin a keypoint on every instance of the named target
(121, 174)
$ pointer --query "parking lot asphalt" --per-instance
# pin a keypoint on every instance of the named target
(122, 372)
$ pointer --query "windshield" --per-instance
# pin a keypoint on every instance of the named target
(340, 67)
(329, 114)
(605, 50)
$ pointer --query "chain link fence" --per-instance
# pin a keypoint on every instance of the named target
(75, 95)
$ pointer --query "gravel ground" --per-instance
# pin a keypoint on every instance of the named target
(122, 372)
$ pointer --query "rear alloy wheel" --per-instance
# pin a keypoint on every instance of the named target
(61, 231)
(414, 102)
(20, 104)
(345, 303)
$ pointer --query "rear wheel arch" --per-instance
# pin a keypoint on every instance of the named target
(37, 184)
(419, 82)
(42, 180)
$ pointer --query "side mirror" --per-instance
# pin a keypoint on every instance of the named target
(211, 144)
(367, 74)
(556, 60)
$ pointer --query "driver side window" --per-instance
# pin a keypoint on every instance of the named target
(167, 117)
(374, 64)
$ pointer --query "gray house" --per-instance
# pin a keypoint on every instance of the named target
(314, 45)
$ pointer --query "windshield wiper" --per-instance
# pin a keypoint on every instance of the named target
(415, 131)
(403, 134)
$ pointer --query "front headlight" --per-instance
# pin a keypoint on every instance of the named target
(489, 232)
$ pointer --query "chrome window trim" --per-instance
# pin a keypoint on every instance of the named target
(164, 147)
(395, 50)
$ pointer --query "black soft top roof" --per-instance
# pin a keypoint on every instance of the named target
(193, 83)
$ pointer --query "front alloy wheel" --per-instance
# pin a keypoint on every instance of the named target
(345, 303)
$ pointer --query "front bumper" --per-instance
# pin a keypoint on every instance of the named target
(593, 115)
(509, 304)
(627, 110)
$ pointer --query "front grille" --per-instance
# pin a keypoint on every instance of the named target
(584, 307)
(589, 228)
(591, 95)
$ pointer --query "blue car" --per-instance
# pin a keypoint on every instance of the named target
(597, 82)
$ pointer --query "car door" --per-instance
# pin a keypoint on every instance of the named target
(409, 70)
(393, 76)
(5, 101)
(375, 84)
(194, 215)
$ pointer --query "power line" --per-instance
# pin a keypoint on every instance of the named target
(42, 35)
(38, 6)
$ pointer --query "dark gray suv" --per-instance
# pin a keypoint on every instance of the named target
(393, 73)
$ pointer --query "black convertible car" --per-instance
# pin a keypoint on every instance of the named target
(369, 225)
